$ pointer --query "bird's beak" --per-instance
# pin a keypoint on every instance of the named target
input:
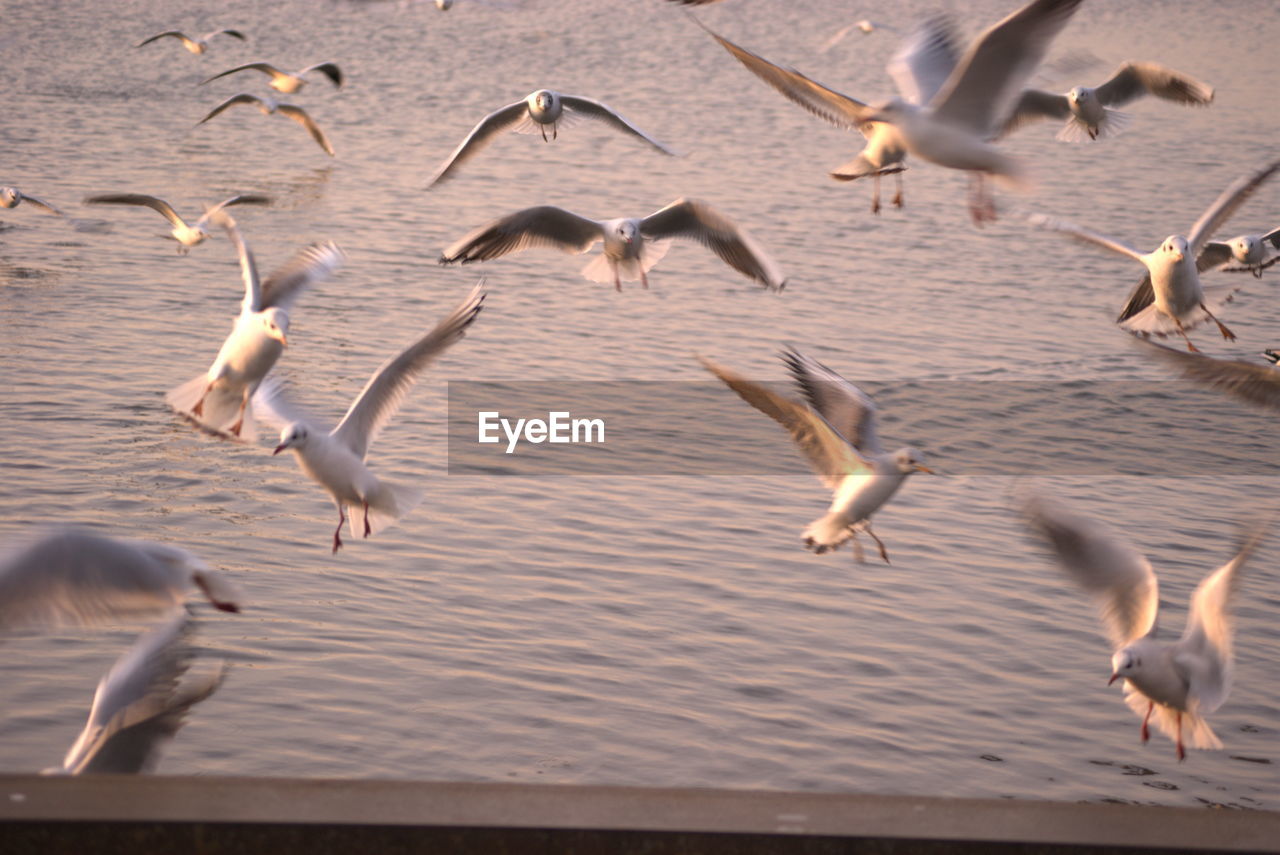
(1177, 257)
(1114, 677)
(279, 336)
(279, 448)
(920, 467)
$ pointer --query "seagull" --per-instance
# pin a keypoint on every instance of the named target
(187, 236)
(954, 127)
(269, 106)
(865, 26)
(283, 81)
(837, 431)
(919, 67)
(73, 577)
(1088, 111)
(336, 460)
(1248, 252)
(140, 704)
(197, 45)
(631, 246)
(217, 400)
(1170, 297)
(537, 112)
(11, 197)
(1177, 683)
(1248, 381)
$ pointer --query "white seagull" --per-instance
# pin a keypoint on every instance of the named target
(1170, 298)
(11, 197)
(336, 459)
(197, 45)
(1176, 683)
(1088, 110)
(1246, 252)
(837, 432)
(74, 577)
(267, 106)
(186, 235)
(631, 246)
(954, 127)
(140, 704)
(284, 81)
(919, 67)
(218, 399)
(864, 26)
(535, 114)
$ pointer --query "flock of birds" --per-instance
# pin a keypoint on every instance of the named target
(957, 102)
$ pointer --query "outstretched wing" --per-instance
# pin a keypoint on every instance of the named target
(691, 219)
(590, 109)
(265, 67)
(1249, 381)
(1036, 104)
(1227, 203)
(164, 208)
(242, 98)
(492, 125)
(544, 225)
(1132, 80)
(301, 116)
(381, 396)
(329, 70)
(843, 405)
(925, 60)
(309, 266)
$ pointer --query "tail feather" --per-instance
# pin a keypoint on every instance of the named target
(1113, 124)
(828, 531)
(219, 411)
(386, 506)
(1196, 732)
(1152, 321)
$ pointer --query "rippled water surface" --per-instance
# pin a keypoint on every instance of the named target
(652, 630)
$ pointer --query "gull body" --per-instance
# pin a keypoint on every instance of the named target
(196, 45)
(186, 234)
(837, 431)
(267, 106)
(218, 399)
(285, 81)
(1171, 297)
(140, 704)
(538, 112)
(1088, 110)
(1175, 683)
(632, 246)
(336, 459)
(74, 577)
(11, 197)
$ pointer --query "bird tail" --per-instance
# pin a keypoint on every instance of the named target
(387, 504)
(219, 411)
(1113, 124)
(1195, 730)
(828, 531)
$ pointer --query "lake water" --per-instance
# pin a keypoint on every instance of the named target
(648, 629)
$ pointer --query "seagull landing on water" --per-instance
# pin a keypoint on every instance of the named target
(837, 432)
(11, 197)
(336, 459)
(535, 114)
(1177, 683)
(267, 106)
(141, 704)
(186, 235)
(218, 399)
(1170, 297)
(74, 577)
(631, 246)
(1088, 111)
(284, 81)
(197, 45)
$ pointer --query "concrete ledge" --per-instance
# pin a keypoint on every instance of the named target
(141, 815)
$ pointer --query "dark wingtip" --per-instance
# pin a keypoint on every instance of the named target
(227, 607)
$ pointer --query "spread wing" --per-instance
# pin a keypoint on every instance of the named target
(829, 453)
(544, 225)
(843, 405)
(1116, 574)
(1142, 295)
(301, 116)
(492, 125)
(1250, 381)
(691, 219)
(164, 208)
(382, 395)
(329, 70)
(310, 265)
(1132, 80)
(169, 33)
(925, 60)
(590, 109)
(265, 67)
(40, 203)
(1036, 104)
(1226, 204)
(242, 98)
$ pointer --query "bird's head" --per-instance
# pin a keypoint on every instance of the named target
(444, 5)
(1244, 248)
(910, 460)
(1125, 664)
(275, 324)
(1175, 248)
(1080, 95)
(628, 232)
(543, 100)
(9, 197)
(293, 436)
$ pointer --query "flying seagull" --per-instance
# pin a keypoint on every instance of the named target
(197, 45)
(186, 235)
(631, 246)
(284, 81)
(11, 197)
(268, 106)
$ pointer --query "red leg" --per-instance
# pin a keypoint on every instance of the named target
(1226, 333)
(337, 532)
(617, 282)
(644, 280)
(367, 530)
(875, 193)
(1182, 753)
(198, 409)
(897, 196)
(1191, 347)
(244, 403)
(1146, 732)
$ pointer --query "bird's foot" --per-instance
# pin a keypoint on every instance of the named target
(367, 531)
(337, 543)
(897, 200)
(875, 205)
(234, 430)
(1226, 333)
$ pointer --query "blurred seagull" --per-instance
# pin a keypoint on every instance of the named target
(631, 246)
(336, 459)
(197, 45)
(283, 81)
(1248, 381)
(187, 236)
(1170, 297)
(11, 197)
(537, 112)
(140, 704)
(865, 26)
(1088, 111)
(73, 577)
(837, 432)
(1249, 252)
(217, 400)
(268, 106)
(1177, 683)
